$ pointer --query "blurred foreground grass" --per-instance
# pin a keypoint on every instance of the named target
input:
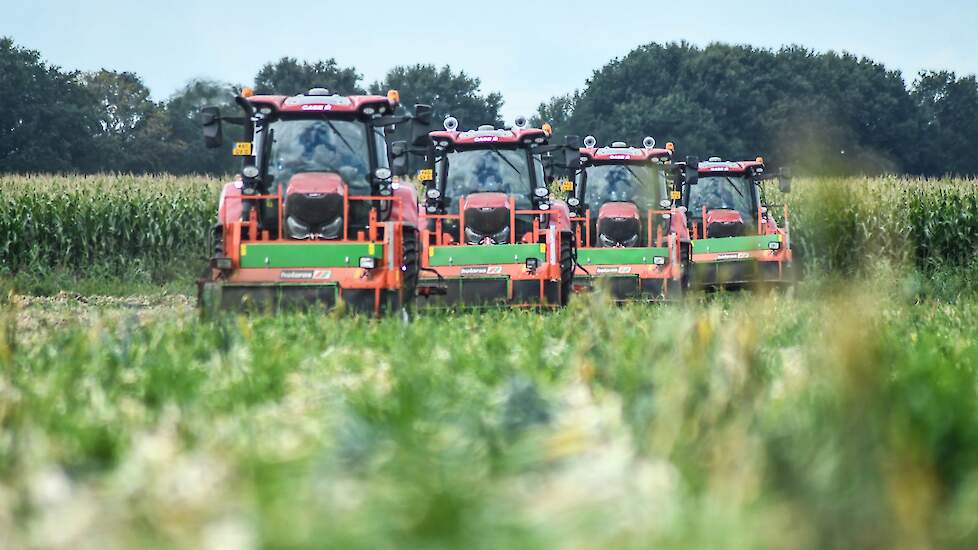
(843, 417)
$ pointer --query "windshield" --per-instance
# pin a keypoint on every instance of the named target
(487, 171)
(319, 145)
(721, 193)
(642, 184)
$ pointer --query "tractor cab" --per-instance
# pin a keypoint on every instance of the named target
(491, 231)
(732, 224)
(619, 187)
(315, 170)
(487, 174)
(321, 153)
(628, 232)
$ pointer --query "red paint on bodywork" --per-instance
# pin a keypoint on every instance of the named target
(476, 137)
(707, 168)
(487, 200)
(406, 209)
(355, 103)
(308, 183)
(618, 210)
(229, 206)
(561, 216)
(723, 216)
(632, 154)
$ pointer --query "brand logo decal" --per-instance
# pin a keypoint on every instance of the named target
(317, 107)
(306, 275)
(733, 256)
(484, 139)
(620, 270)
(482, 270)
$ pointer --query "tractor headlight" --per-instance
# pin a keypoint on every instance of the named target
(774, 245)
(433, 194)
(368, 262)
(541, 192)
(250, 172)
(659, 260)
(544, 206)
(573, 201)
(432, 209)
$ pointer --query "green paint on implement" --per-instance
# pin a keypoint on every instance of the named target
(734, 244)
(485, 254)
(307, 255)
(620, 256)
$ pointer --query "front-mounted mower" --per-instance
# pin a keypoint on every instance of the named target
(315, 217)
(736, 241)
(629, 230)
(491, 234)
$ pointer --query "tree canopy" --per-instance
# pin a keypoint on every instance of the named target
(826, 113)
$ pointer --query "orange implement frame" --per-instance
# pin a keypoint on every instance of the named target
(655, 236)
(550, 270)
(387, 276)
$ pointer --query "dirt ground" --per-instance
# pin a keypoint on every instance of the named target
(32, 317)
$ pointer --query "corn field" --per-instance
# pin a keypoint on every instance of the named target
(159, 225)
(105, 224)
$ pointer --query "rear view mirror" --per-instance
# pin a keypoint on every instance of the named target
(784, 180)
(692, 170)
(421, 125)
(399, 158)
(423, 114)
(210, 118)
(572, 153)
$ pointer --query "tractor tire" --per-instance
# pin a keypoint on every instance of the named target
(409, 267)
(686, 261)
(566, 267)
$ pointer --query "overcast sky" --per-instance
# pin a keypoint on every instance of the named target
(528, 50)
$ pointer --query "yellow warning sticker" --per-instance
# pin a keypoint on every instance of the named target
(676, 195)
(431, 252)
(242, 149)
(543, 249)
(568, 185)
(426, 174)
(370, 249)
(244, 250)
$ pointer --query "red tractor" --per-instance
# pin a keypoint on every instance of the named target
(315, 217)
(630, 233)
(490, 231)
(736, 241)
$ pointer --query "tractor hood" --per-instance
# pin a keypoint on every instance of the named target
(725, 223)
(618, 225)
(487, 218)
(314, 205)
(618, 210)
(317, 182)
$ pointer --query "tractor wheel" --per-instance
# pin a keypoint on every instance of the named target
(409, 267)
(686, 261)
(566, 267)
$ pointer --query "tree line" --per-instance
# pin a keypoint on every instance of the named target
(824, 113)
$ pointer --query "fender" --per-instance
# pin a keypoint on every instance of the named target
(560, 214)
(229, 206)
(406, 209)
(679, 226)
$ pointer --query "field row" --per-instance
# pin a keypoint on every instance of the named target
(157, 227)
(842, 418)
